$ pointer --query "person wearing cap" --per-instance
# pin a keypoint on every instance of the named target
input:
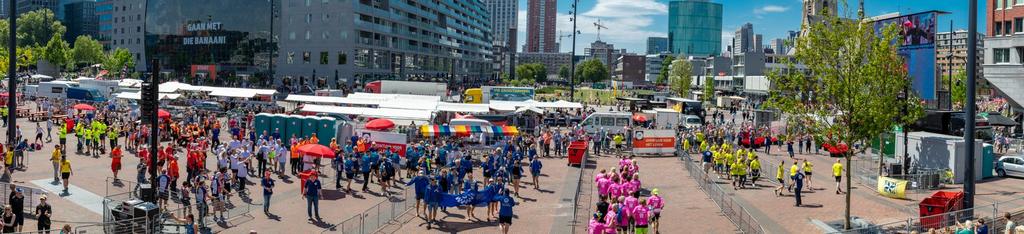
(655, 203)
(43, 213)
(419, 183)
(17, 202)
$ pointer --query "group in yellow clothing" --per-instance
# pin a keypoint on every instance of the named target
(743, 165)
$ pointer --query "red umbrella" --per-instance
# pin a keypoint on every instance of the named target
(640, 118)
(317, 150)
(84, 106)
(163, 114)
(380, 124)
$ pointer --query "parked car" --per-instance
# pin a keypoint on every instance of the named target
(1010, 166)
(209, 106)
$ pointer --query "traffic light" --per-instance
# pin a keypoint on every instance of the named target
(149, 102)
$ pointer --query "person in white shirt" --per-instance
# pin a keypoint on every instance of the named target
(241, 176)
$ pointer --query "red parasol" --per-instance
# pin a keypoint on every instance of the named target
(317, 150)
(163, 114)
(84, 106)
(380, 124)
(639, 118)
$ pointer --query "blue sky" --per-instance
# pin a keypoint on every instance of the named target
(630, 22)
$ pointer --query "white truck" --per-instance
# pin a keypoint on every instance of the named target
(106, 87)
(52, 89)
(408, 87)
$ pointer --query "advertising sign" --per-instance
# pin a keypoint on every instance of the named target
(892, 188)
(511, 94)
(385, 140)
(916, 42)
(654, 142)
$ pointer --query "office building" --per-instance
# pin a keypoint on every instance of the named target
(951, 52)
(363, 41)
(1004, 50)
(552, 61)
(80, 19)
(32, 5)
(744, 40)
(105, 20)
(127, 21)
(541, 17)
(504, 24)
(604, 52)
(653, 68)
(630, 68)
(657, 45)
(695, 27)
(778, 46)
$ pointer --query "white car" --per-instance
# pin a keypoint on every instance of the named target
(1010, 166)
(692, 122)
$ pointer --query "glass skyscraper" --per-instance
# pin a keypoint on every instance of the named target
(695, 27)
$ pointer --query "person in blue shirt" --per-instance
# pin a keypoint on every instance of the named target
(535, 166)
(312, 195)
(470, 186)
(339, 168)
(505, 211)
(366, 163)
(350, 172)
(433, 197)
(396, 161)
(516, 171)
(387, 170)
(375, 162)
(419, 183)
(268, 190)
(411, 160)
(531, 153)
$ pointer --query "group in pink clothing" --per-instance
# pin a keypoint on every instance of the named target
(621, 208)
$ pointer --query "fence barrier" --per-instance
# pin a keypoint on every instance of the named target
(732, 210)
(992, 213)
(375, 217)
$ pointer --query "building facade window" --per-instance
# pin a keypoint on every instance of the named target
(1018, 25)
(305, 57)
(997, 28)
(291, 57)
(1007, 28)
(342, 58)
(323, 58)
(1001, 55)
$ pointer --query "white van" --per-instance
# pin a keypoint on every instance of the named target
(54, 89)
(106, 87)
(612, 122)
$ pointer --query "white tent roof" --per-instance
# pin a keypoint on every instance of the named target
(332, 100)
(530, 108)
(133, 83)
(387, 113)
(239, 93)
(410, 104)
(513, 105)
(463, 107)
(138, 96)
(394, 96)
(171, 87)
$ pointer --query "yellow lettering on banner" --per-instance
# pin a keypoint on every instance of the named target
(892, 188)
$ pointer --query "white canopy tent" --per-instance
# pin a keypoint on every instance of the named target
(388, 113)
(331, 100)
(138, 96)
(463, 107)
(410, 104)
(233, 93)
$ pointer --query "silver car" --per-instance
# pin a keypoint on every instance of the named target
(1010, 166)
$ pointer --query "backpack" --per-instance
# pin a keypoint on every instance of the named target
(618, 215)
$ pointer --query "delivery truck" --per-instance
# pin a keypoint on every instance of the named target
(498, 93)
(407, 87)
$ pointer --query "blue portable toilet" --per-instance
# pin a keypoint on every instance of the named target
(309, 124)
(327, 129)
(262, 123)
(279, 125)
(987, 155)
(294, 127)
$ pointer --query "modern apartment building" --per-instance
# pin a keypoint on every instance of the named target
(1004, 48)
(657, 45)
(504, 24)
(127, 20)
(105, 20)
(630, 68)
(695, 27)
(80, 19)
(541, 17)
(604, 52)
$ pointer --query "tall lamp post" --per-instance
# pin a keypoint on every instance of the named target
(572, 55)
(969, 107)
(12, 70)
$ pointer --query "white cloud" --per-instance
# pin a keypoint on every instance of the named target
(770, 9)
(626, 8)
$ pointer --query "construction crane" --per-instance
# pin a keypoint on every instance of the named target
(562, 35)
(599, 27)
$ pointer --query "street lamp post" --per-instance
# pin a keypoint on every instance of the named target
(969, 106)
(12, 76)
(572, 55)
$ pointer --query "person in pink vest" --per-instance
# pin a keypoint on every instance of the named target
(656, 203)
(597, 225)
(641, 218)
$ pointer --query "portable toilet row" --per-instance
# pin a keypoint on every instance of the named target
(287, 126)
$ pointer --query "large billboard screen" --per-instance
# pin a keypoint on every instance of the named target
(917, 46)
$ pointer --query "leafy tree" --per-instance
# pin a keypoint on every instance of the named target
(57, 51)
(592, 70)
(851, 92)
(119, 59)
(87, 51)
(563, 72)
(679, 76)
(709, 88)
(35, 28)
(532, 72)
(27, 57)
(959, 89)
(665, 64)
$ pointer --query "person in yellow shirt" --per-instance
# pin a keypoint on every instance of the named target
(729, 159)
(739, 174)
(807, 172)
(65, 172)
(686, 145)
(55, 159)
(755, 170)
(837, 171)
(780, 171)
(792, 175)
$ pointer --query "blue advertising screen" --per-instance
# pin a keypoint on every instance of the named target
(917, 46)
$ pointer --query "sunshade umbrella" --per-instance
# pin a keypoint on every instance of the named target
(380, 124)
(84, 106)
(163, 114)
(640, 118)
(316, 150)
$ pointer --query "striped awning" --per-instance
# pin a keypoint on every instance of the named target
(464, 131)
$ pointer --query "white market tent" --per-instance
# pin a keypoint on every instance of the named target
(233, 93)
(174, 87)
(388, 113)
(331, 100)
(410, 104)
(130, 83)
(463, 107)
(138, 96)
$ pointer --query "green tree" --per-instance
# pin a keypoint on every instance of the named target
(563, 72)
(117, 60)
(680, 77)
(532, 72)
(56, 51)
(709, 89)
(959, 88)
(851, 92)
(35, 28)
(87, 51)
(592, 70)
(665, 64)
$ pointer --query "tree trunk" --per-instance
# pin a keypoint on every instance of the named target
(849, 177)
